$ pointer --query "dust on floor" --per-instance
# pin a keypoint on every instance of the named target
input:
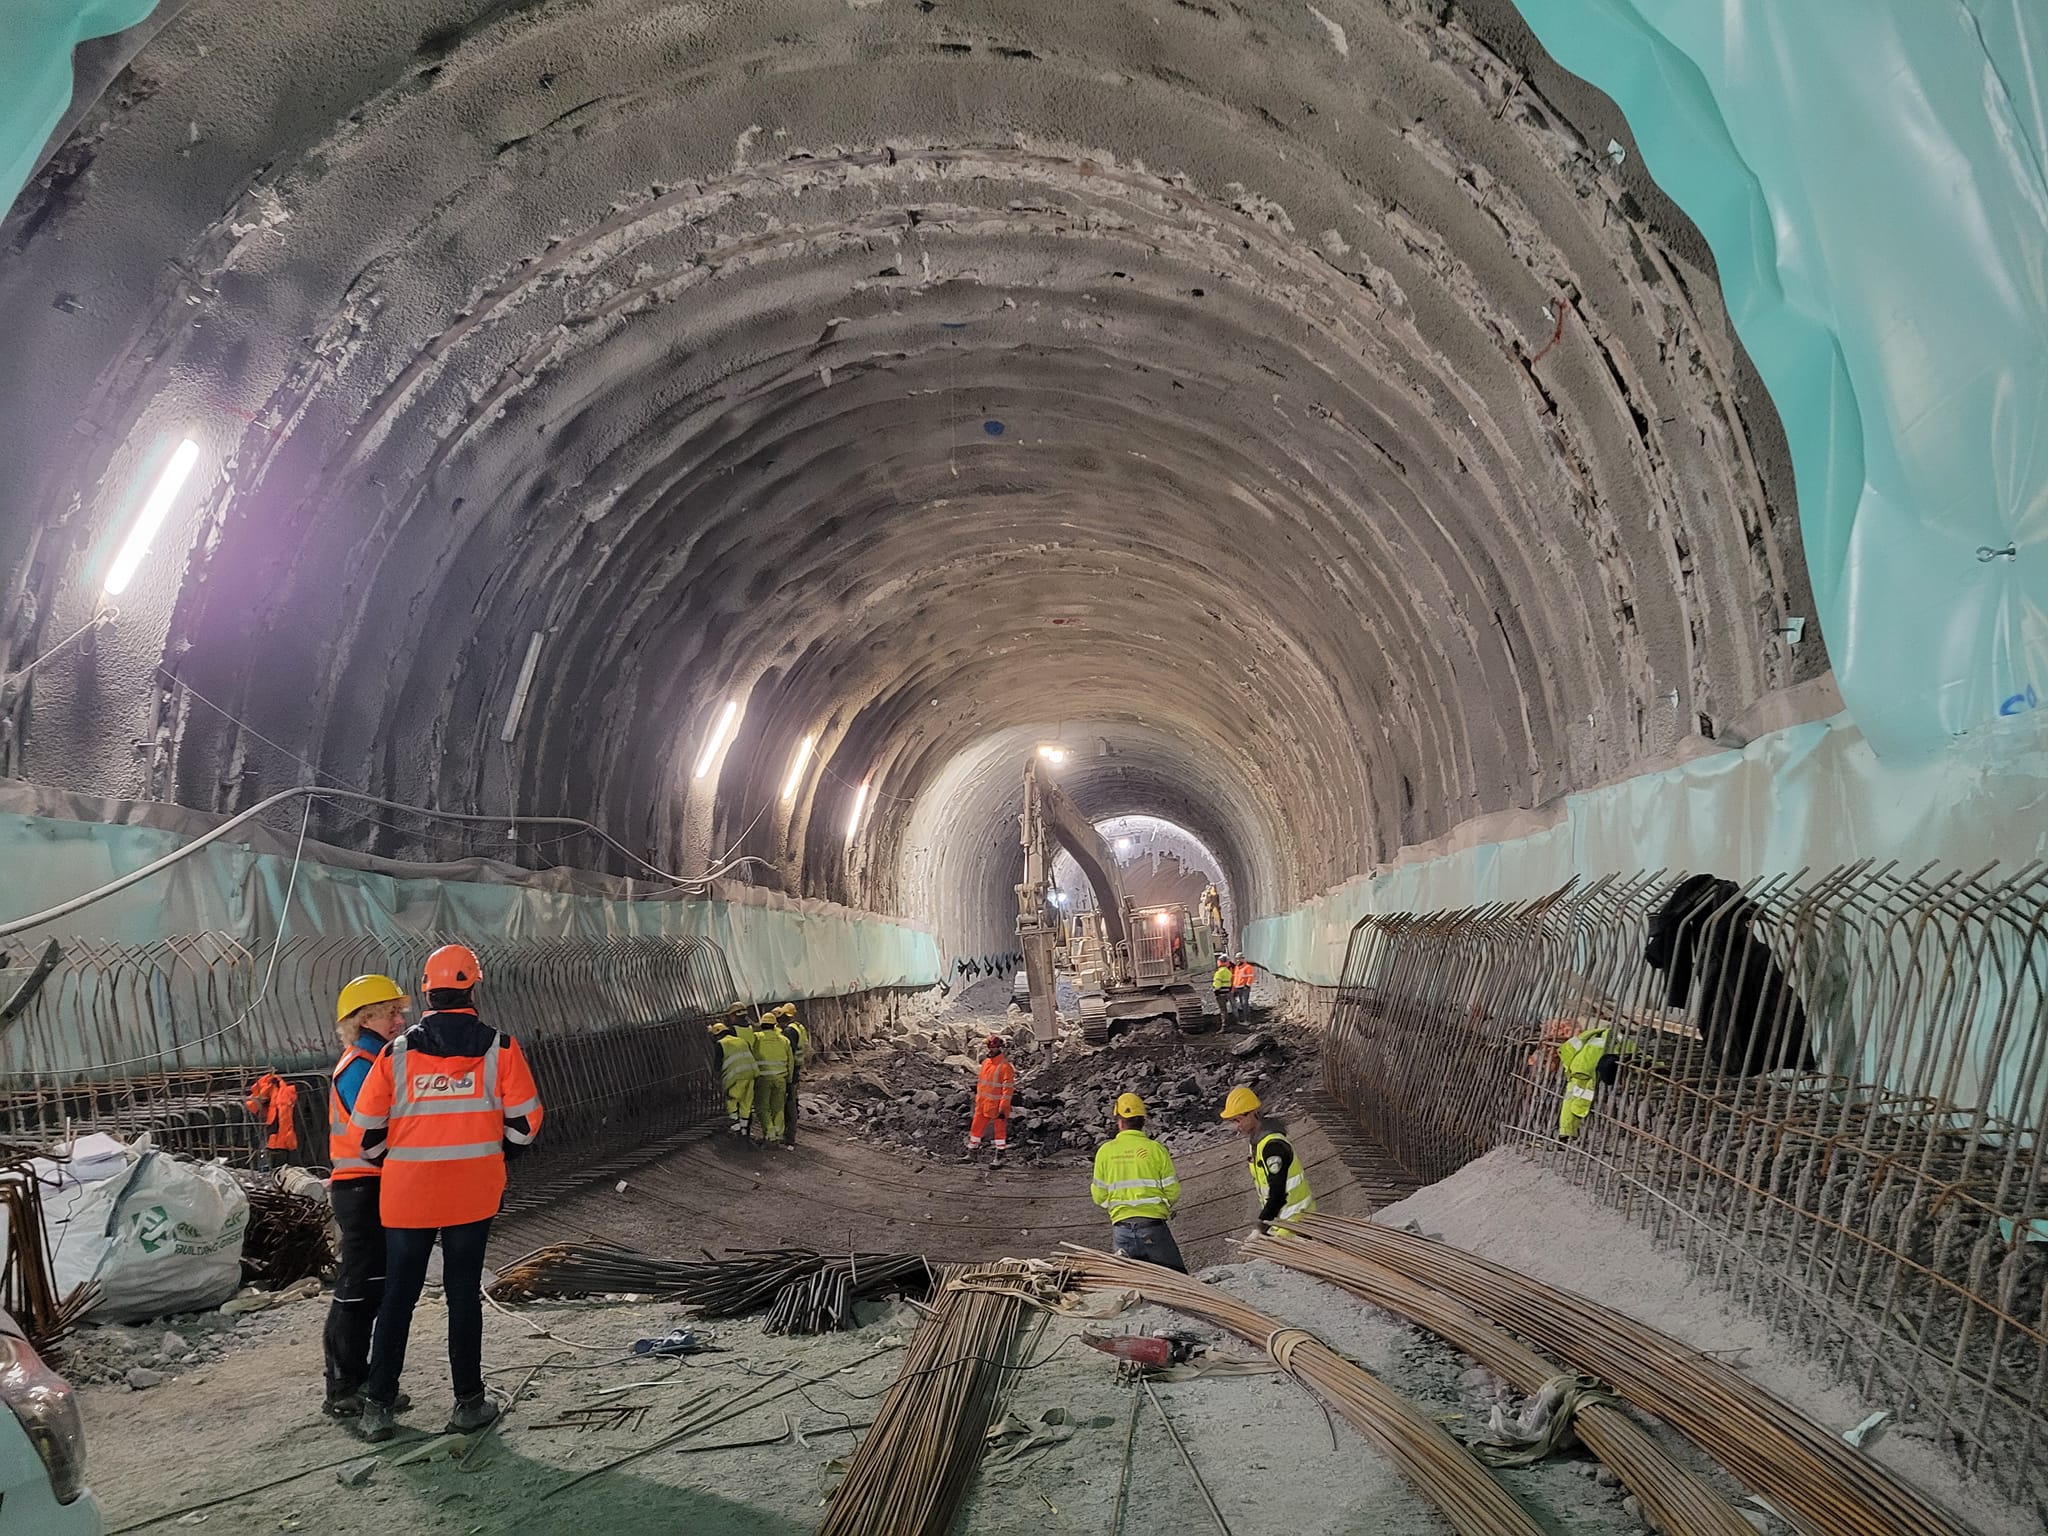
(1513, 1209)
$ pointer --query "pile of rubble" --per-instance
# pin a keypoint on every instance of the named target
(915, 1092)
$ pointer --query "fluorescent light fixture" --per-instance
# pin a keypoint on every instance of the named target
(521, 689)
(719, 733)
(151, 518)
(1053, 754)
(860, 803)
(796, 768)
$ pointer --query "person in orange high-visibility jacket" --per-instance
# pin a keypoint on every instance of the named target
(275, 1102)
(993, 1089)
(441, 1109)
(1241, 976)
(369, 1011)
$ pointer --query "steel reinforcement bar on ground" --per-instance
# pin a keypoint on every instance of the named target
(1770, 1446)
(168, 1037)
(1828, 1095)
(1672, 1497)
(1440, 1469)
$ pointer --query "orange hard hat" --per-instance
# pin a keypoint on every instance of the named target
(453, 965)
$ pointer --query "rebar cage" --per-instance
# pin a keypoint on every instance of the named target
(168, 1038)
(1826, 1091)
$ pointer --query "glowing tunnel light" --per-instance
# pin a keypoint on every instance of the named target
(796, 768)
(150, 518)
(719, 733)
(860, 804)
(1054, 755)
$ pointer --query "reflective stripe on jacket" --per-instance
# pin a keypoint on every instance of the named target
(994, 1087)
(1221, 981)
(772, 1055)
(1299, 1201)
(1134, 1177)
(446, 1120)
(1242, 975)
(799, 1040)
(344, 1136)
(1580, 1056)
(276, 1103)
(736, 1061)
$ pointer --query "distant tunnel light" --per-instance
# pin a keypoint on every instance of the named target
(150, 518)
(796, 768)
(1053, 754)
(719, 732)
(1123, 845)
(860, 804)
(1163, 919)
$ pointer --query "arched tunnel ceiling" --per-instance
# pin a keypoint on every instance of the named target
(1292, 405)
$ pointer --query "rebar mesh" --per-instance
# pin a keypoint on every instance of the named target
(168, 1037)
(1834, 1113)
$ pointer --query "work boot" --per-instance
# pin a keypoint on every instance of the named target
(473, 1413)
(376, 1421)
(348, 1404)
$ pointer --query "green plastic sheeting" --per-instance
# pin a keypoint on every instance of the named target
(777, 948)
(36, 39)
(1812, 796)
(1869, 174)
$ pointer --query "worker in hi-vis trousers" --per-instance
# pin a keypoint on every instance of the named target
(736, 1064)
(1135, 1182)
(1277, 1173)
(772, 1056)
(1589, 1059)
(799, 1040)
(994, 1088)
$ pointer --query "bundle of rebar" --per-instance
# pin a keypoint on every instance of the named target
(1671, 1496)
(1440, 1469)
(802, 1291)
(910, 1474)
(28, 1286)
(287, 1236)
(1764, 1442)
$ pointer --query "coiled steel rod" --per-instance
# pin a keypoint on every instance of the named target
(1765, 1442)
(1679, 1503)
(1439, 1468)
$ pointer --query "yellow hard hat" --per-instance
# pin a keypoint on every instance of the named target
(363, 992)
(718, 1027)
(787, 1010)
(1242, 1101)
(1130, 1107)
(736, 1011)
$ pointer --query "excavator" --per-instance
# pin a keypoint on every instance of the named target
(1130, 962)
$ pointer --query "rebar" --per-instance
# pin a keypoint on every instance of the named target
(1676, 1500)
(1439, 1468)
(911, 1472)
(286, 1238)
(1833, 1108)
(1764, 1442)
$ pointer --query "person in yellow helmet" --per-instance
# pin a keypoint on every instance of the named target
(1135, 1182)
(1277, 1173)
(369, 1011)
(799, 1047)
(736, 1067)
(772, 1060)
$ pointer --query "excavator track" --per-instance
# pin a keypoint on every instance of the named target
(1094, 1019)
(1188, 1016)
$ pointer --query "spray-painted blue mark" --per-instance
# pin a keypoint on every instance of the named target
(992, 428)
(2020, 703)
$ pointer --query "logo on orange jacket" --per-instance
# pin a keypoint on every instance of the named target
(445, 1085)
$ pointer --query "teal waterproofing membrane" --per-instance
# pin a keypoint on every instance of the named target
(1869, 176)
(36, 39)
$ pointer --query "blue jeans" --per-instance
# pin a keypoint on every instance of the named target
(1147, 1238)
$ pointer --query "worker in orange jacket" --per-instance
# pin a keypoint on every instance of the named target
(275, 1102)
(1241, 989)
(993, 1090)
(443, 1106)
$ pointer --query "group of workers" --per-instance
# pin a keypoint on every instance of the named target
(1232, 981)
(420, 1123)
(1135, 1180)
(762, 1061)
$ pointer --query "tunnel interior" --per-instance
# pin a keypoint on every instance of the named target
(757, 431)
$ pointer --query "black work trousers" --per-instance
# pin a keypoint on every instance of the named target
(406, 1250)
(789, 1107)
(358, 1284)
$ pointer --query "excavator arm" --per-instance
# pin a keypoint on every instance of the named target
(1051, 819)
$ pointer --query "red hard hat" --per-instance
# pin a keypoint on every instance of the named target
(994, 1042)
(453, 965)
